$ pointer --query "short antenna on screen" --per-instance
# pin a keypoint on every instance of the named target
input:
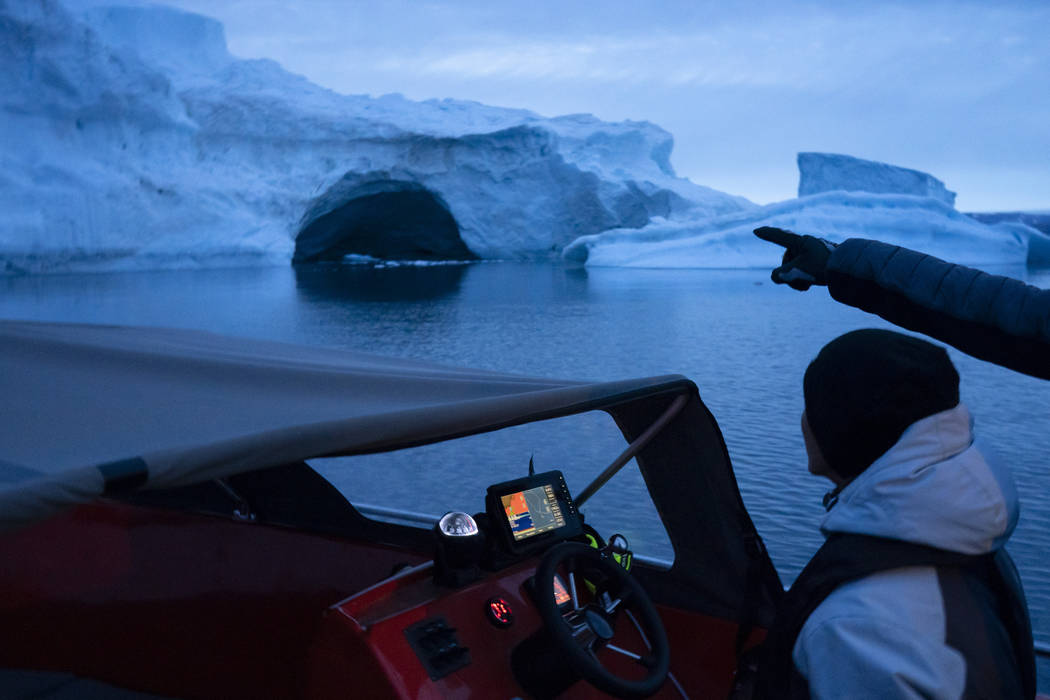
(532, 468)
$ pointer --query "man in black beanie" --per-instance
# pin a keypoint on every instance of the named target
(912, 594)
(865, 388)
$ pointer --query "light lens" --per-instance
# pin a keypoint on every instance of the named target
(456, 524)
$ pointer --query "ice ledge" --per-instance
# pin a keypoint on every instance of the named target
(922, 223)
(827, 172)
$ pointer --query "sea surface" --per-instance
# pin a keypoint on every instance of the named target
(744, 341)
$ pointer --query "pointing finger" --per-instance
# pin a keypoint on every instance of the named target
(779, 236)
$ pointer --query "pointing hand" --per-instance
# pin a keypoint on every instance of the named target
(805, 258)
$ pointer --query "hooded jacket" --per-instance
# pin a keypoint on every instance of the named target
(913, 632)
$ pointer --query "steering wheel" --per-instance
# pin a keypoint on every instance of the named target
(582, 630)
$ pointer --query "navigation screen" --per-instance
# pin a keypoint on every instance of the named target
(532, 511)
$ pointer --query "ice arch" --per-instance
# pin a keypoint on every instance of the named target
(388, 219)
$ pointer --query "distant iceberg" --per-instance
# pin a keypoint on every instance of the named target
(906, 207)
(1033, 225)
(828, 172)
(133, 139)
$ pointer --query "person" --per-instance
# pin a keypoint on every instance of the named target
(912, 594)
(993, 318)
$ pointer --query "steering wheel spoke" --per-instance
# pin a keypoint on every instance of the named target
(587, 640)
(628, 653)
(576, 622)
(572, 591)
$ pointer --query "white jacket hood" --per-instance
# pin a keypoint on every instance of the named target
(935, 487)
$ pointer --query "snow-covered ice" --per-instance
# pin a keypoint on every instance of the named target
(132, 138)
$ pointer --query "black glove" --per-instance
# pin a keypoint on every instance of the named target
(805, 258)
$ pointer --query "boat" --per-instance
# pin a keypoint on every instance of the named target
(163, 533)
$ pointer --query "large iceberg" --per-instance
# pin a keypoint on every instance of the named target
(900, 206)
(132, 138)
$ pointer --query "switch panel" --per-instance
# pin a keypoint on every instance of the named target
(436, 645)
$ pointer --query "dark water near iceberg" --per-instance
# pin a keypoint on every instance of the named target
(744, 341)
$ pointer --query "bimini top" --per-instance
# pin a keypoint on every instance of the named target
(94, 409)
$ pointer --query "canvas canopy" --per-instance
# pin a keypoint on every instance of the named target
(96, 410)
(91, 408)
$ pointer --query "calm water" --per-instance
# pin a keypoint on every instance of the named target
(744, 341)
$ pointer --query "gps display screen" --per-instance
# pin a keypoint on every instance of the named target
(532, 511)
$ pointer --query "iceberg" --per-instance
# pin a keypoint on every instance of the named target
(1038, 242)
(902, 207)
(827, 172)
(1032, 225)
(133, 139)
(1038, 220)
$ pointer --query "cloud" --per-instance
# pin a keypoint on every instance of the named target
(681, 60)
(903, 49)
(963, 48)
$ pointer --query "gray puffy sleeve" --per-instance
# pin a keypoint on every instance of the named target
(993, 318)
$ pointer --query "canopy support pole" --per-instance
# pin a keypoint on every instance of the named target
(634, 448)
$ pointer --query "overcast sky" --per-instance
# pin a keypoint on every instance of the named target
(958, 89)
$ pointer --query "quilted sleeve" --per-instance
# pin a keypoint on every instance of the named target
(993, 318)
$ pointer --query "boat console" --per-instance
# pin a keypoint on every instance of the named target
(522, 597)
(269, 582)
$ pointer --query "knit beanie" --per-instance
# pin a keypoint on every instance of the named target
(866, 387)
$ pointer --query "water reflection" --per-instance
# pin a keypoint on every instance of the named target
(407, 283)
(545, 286)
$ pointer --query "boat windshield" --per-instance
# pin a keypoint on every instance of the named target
(417, 485)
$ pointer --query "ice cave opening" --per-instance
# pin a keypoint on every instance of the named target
(391, 221)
